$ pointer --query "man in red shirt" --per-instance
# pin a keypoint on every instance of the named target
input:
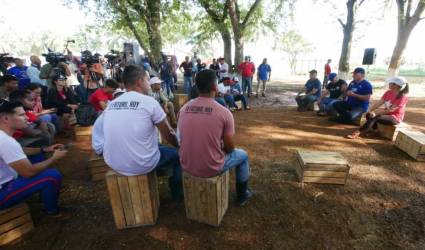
(247, 70)
(328, 70)
(206, 132)
(99, 99)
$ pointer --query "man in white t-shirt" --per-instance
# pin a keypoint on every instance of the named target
(224, 68)
(19, 177)
(130, 137)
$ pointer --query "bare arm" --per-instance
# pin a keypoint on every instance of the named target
(168, 132)
(376, 105)
(229, 145)
(25, 169)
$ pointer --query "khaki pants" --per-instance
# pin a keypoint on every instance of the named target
(263, 82)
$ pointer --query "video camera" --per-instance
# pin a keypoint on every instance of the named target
(5, 59)
(88, 58)
(112, 56)
(54, 58)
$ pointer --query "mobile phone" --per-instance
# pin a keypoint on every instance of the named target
(67, 146)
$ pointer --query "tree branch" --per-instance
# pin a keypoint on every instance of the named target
(342, 24)
(251, 11)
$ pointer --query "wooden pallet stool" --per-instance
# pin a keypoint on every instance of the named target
(322, 167)
(134, 199)
(390, 131)
(83, 133)
(179, 101)
(14, 223)
(206, 199)
(412, 142)
(97, 167)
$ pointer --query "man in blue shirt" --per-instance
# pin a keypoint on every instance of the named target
(263, 75)
(357, 102)
(20, 71)
(311, 92)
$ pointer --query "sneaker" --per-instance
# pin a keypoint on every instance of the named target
(63, 214)
(241, 201)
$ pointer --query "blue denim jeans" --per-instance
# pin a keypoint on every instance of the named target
(238, 159)
(168, 86)
(326, 105)
(304, 101)
(247, 85)
(346, 112)
(170, 158)
(187, 84)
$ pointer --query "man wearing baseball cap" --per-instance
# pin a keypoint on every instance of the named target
(335, 91)
(357, 101)
(310, 93)
(159, 96)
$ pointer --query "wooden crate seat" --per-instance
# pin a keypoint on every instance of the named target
(391, 131)
(14, 223)
(412, 142)
(134, 199)
(97, 167)
(206, 199)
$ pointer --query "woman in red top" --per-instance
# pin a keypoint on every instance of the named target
(394, 102)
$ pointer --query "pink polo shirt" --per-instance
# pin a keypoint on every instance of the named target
(202, 125)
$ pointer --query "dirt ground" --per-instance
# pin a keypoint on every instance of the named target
(382, 206)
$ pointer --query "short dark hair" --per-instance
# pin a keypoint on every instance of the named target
(7, 107)
(32, 86)
(131, 74)
(18, 95)
(112, 83)
(9, 78)
(205, 80)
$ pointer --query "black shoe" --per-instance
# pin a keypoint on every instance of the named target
(243, 193)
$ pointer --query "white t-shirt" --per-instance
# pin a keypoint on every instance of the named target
(10, 151)
(131, 138)
(226, 67)
(98, 139)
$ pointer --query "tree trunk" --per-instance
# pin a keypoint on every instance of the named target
(348, 28)
(154, 26)
(239, 44)
(227, 44)
(406, 23)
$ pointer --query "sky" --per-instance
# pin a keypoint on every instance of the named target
(317, 23)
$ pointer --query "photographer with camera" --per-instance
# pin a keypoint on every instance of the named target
(92, 71)
(55, 65)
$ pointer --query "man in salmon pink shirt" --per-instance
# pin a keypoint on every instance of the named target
(206, 132)
(100, 98)
(247, 70)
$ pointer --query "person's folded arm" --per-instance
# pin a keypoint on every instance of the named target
(168, 132)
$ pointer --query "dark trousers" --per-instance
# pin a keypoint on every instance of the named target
(306, 100)
(372, 123)
(347, 113)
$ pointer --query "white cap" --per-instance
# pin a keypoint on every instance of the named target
(398, 80)
(154, 80)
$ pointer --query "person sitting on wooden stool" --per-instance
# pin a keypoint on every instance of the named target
(356, 103)
(394, 101)
(310, 93)
(19, 177)
(130, 138)
(206, 132)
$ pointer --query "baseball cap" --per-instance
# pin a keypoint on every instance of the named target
(332, 76)
(313, 71)
(400, 81)
(59, 77)
(359, 70)
(154, 80)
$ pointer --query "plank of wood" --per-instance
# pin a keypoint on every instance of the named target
(155, 193)
(97, 163)
(126, 200)
(146, 198)
(15, 223)
(321, 157)
(100, 169)
(115, 198)
(324, 174)
(13, 212)
(408, 144)
(16, 233)
(324, 180)
(136, 198)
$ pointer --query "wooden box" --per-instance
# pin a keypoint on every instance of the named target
(322, 167)
(134, 199)
(390, 131)
(83, 133)
(206, 199)
(14, 223)
(97, 167)
(412, 142)
(179, 101)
